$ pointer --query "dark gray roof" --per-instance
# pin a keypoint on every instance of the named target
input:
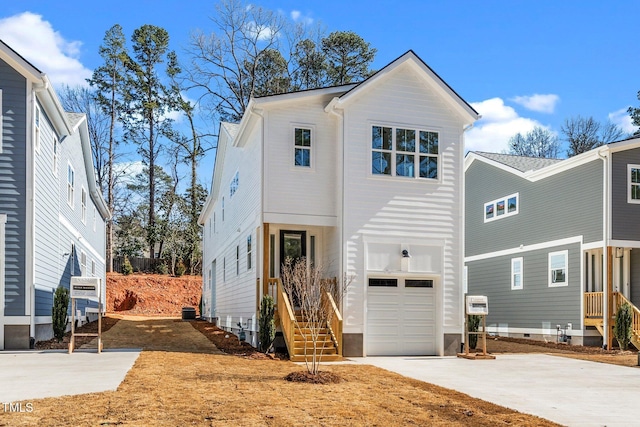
(521, 163)
(74, 118)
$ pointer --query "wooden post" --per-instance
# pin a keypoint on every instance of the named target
(484, 335)
(609, 314)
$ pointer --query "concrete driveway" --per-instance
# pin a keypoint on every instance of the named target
(568, 391)
(27, 375)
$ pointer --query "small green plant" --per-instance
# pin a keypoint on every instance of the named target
(200, 305)
(127, 268)
(473, 321)
(59, 312)
(622, 328)
(266, 323)
(180, 268)
(162, 268)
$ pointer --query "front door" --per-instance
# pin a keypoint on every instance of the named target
(293, 244)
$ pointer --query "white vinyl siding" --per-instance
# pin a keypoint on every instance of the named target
(517, 276)
(83, 263)
(558, 268)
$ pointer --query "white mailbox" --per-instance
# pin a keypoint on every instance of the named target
(477, 304)
(85, 287)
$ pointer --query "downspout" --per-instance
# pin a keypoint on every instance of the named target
(605, 240)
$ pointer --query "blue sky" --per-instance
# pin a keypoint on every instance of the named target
(519, 63)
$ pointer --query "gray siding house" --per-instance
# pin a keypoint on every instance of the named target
(52, 216)
(555, 244)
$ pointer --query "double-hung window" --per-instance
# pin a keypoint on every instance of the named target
(404, 152)
(83, 205)
(516, 273)
(302, 147)
(558, 266)
(633, 183)
(70, 184)
(249, 250)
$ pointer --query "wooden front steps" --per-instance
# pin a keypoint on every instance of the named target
(594, 315)
(325, 348)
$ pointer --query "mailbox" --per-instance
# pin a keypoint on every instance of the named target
(477, 304)
(85, 287)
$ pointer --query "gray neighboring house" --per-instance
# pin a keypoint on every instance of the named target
(52, 216)
(555, 242)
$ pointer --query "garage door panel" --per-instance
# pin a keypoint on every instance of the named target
(401, 321)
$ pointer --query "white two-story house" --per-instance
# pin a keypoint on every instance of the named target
(365, 179)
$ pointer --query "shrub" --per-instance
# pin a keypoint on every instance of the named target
(622, 328)
(266, 323)
(180, 268)
(162, 268)
(473, 321)
(200, 306)
(127, 268)
(59, 312)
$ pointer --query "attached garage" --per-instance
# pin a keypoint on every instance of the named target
(401, 316)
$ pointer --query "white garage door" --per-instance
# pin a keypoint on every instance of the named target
(401, 317)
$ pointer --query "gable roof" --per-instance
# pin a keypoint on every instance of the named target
(520, 163)
(441, 87)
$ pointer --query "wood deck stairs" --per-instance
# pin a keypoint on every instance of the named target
(303, 349)
(298, 332)
(594, 314)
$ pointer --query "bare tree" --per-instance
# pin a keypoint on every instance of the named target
(539, 142)
(225, 62)
(586, 133)
(308, 290)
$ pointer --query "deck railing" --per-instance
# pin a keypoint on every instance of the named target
(620, 299)
(286, 315)
(335, 322)
(593, 304)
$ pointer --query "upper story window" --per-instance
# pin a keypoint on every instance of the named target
(93, 267)
(558, 265)
(36, 129)
(633, 183)
(516, 273)
(302, 143)
(235, 182)
(249, 248)
(54, 157)
(502, 207)
(83, 205)
(83, 263)
(404, 152)
(70, 184)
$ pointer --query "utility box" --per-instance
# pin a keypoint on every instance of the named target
(477, 304)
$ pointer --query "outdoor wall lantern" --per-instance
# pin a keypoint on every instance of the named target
(405, 254)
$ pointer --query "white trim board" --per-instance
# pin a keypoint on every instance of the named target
(78, 236)
(525, 248)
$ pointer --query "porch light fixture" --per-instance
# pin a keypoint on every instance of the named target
(405, 254)
(619, 252)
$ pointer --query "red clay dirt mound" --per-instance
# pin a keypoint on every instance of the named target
(152, 294)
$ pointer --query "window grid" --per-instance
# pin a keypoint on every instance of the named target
(517, 273)
(502, 207)
(249, 249)
(633, 182)
(558, 268)
(302, 147)
(405, 152)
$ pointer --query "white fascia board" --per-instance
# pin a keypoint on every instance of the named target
(53, 107)
(18, 63)
(627, 144)
(94, 191)
(303, 94)
(624, 243)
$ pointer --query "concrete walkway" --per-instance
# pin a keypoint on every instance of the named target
(568, 391)
(27, 375)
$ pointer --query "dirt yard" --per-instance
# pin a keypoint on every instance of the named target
(181, 378)
(152, 294)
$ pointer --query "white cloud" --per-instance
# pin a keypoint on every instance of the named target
(297, 16)
(538, 102)
(36, 40)
(262, 32)
(622, 119)
(498, 124)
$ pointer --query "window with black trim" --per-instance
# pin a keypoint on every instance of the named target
(418, 283)
(302, 149)
(388, 283)
(502, 207)
(249, 249)
(404, 152)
